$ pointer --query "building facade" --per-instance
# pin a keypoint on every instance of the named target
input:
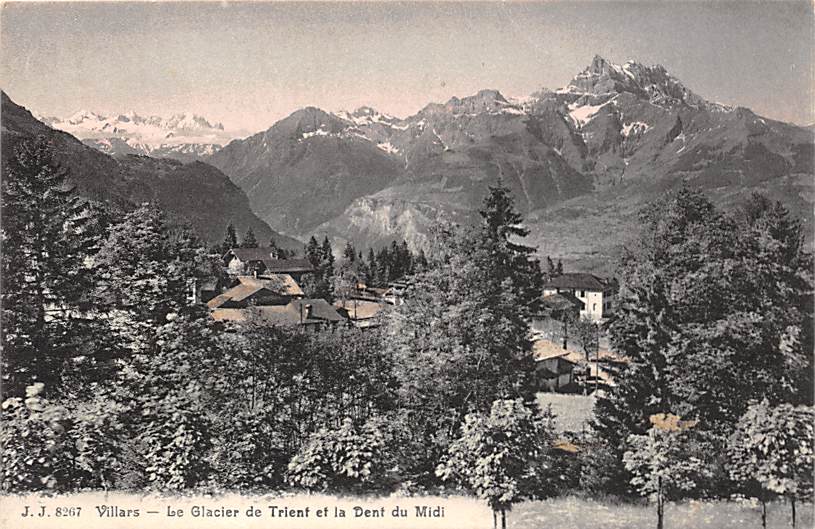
(596, 293)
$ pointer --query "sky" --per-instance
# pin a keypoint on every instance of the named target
(249, 64)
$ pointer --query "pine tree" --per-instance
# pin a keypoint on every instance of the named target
(383, 267)
(148, 267)
(313, 252)
(709, 317)
(421, 261)
(230, 239)
(407, 258)
(461, 338)
(499, 233)
(371, 276)
(327, 271)
(349, 254)
(48, 234)
(249, 240)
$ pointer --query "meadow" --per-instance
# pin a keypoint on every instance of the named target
(579, 513)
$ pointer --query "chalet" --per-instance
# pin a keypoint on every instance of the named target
(598, 372)
(361, 313)
(309, 313)
(202, 290)
(561, 305)
(273, 289)
(395, 293)
(554, 367)
(259, 261)
(596, 294)
(367, 293)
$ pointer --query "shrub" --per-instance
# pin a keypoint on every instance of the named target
(37, 451)
(174, 442)
(249, 451)
(345, 459)
(501, 457)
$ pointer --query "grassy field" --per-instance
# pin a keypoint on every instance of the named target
(572, 412)
(576, 513)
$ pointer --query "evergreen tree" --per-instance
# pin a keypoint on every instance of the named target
(383, 267)
(408, 266)
(313, 252)
(421, 261)
(319, 284)
(349, 253)
(551, 271)
(230, 239)
(371, 267)
(48, 234)
(709, 318)
(394, 260)
(327, 271)
(499, 233)
(461, 339)
(148, 267)
(249, 240)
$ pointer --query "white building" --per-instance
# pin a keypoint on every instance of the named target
(596, 293)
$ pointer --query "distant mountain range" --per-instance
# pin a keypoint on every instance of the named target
(581, 161)
(185, 137)
(193, 193)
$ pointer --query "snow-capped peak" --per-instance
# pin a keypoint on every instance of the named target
(150, 130)
(651, 82)
(367, 116)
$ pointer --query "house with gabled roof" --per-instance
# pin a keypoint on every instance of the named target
(273, 289)
(260, 262)
(308, 313)
(361, 313)
(596, 293)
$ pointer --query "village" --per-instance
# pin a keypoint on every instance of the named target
(569, 346)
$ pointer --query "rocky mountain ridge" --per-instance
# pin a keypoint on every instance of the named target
(615, 134)
(580, 162)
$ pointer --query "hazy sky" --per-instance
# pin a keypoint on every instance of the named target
(248, 65)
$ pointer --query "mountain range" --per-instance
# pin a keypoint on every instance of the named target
(192, 193)
(581, 161)
(184, 137)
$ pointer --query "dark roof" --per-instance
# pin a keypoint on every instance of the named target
(287, 266)
(250, 254)
(561, 301)
(280, 284)
(291, 314)
(578, 280)
(273, 266)
(320, 309)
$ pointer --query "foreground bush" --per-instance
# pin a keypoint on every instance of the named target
(346, 459)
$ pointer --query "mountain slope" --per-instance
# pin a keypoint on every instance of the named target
(306, 169)
(195, 193)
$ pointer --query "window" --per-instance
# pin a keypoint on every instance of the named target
(582, 294)
(594, 307)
